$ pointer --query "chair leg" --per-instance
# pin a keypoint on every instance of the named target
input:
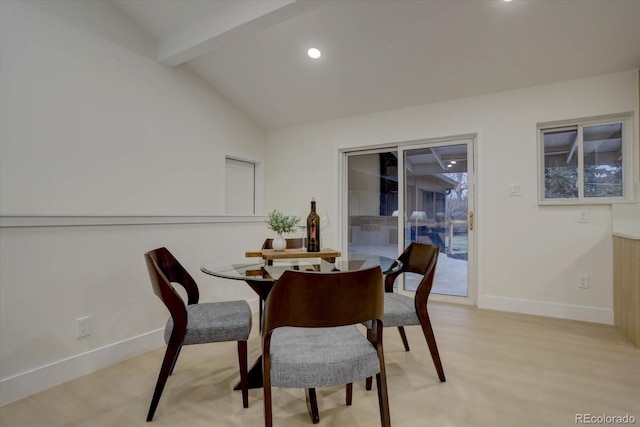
(312, 404)
(369, 380)
(383, 399)
(244, 380)
(266, 388)
(175, 359)
(404, 338)
(170, 357)
(349, 397)
(433, 347)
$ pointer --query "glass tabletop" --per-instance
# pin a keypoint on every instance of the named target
(255, 269)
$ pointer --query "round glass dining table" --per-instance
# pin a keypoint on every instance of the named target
(257, 270)
(262, 275)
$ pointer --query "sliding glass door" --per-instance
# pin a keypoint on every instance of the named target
(414, 193)
(372, 203)
(437, 200)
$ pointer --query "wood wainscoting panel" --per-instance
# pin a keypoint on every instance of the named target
(626, 287)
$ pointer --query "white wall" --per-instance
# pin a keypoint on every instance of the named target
(93, 125)
(51, 276)
(529, 256)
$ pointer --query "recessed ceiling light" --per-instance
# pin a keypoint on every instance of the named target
(453, 162)
(314, 53)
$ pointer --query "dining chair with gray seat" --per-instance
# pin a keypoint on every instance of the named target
(194, 322)
(401, 310)
(309, 337)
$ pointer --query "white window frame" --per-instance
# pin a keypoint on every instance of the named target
(628, 159)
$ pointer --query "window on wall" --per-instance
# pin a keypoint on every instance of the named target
(240, 179)
(586, 161)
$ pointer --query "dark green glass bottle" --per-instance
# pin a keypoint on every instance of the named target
(313, 229)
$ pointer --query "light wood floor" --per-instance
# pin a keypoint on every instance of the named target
(502, 369)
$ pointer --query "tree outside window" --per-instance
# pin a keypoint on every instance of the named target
(584, 162)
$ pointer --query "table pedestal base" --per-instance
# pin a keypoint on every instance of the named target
(254, 376)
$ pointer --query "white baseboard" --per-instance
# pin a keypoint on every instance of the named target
(540, 308)
(44, 377)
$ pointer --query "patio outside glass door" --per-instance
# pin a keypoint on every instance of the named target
(437, 200)
(419, 193)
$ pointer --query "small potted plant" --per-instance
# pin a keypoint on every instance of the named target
(281, 223)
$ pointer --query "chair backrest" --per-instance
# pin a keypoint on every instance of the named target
(313, 300)
(420, 259)
(291, 243)
(164, 269)
(174, 272)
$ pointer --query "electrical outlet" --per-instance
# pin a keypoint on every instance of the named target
(83, 327)
(583, 281)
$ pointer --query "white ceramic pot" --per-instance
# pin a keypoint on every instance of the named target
(279, 243)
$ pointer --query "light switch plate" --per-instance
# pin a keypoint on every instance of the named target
(583, 216)
(515, 190)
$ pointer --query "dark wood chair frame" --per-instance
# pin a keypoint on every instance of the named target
(421, 259)
(314, 300)
(165, 269)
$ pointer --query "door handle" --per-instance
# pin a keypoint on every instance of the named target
(470, 221)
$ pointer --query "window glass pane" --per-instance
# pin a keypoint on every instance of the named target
(373, 203)
(603, 160)
(436, 197)
(561, 164)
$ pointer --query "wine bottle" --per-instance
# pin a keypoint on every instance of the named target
(313, 229)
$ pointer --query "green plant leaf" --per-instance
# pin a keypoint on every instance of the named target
(281, 223)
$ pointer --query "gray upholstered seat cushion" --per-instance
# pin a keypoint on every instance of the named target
(320, 357)
(399, 310)
(215, 322)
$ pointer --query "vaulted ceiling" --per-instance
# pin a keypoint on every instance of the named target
(384, 54)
